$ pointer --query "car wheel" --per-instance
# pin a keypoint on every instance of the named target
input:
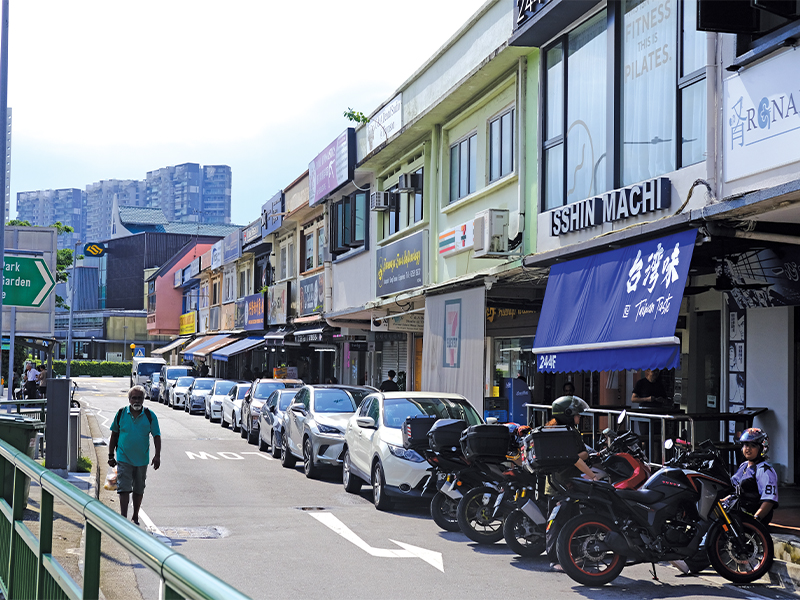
(222, 420)
(262, 447)
(352, 483)
(379, 497)
(206, 413)
(252, 439)
(309, 468)
(287, 458)
(274, 446)
(242, 430)
(236, 426)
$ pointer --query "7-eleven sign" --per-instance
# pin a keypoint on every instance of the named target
(452, 334)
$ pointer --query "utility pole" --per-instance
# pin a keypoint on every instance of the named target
(4, 116)
(72, 306)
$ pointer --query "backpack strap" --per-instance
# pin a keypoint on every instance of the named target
(119, 415)
(148, 415)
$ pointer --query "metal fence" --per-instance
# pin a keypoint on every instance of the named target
(28, 569)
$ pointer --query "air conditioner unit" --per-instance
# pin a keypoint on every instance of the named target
(409, 182)
(379, 201)
(491, 233)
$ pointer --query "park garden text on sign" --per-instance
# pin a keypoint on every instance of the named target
(26, 281)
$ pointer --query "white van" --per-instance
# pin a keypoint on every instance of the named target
(143, 367)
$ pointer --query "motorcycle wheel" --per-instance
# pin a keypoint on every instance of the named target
(522, 535)
(581, 552)
(475, 516)
(698, 564)
(745, 564)
(444, 511)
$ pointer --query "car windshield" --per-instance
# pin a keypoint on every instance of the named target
(223, 387)
(285, 399)
(175, 373)
(359, 394)
(396, 410)
(265, 388)
(149, 368)
(333, 401)
(203, 384)
(184, 381)
(242, 391)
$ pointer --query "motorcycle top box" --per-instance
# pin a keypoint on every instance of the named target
(445, 435)
(487, 443)
(550, 449)
(415, 431)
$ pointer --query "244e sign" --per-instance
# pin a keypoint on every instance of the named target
(26, 281)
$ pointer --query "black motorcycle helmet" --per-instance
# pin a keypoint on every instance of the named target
(566, 407)
(754, 435)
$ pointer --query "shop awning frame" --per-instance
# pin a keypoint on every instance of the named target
(243, 345)
(188, 353)
(171, 346)
(216, 345)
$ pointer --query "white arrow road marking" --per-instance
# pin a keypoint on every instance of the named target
(47, 278)
(261, 454)
(429, 556)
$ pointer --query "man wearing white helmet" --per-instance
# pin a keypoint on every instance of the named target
(756, 480)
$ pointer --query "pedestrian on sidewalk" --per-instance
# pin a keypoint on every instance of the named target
(130, 441)
(31, 381)
(390, 385)
(42, 381)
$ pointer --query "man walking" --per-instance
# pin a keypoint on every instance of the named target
(390, 385)
(130, 441)
(31, 381)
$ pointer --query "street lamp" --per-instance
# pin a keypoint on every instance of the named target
(70, 350)
(94, 350)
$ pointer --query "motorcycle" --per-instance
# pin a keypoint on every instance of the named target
(665, 520)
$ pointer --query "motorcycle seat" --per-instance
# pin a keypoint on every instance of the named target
(643, 496)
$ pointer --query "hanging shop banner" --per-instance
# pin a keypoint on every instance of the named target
(188, 323)
(616, 310)
(254, 312)
(272, 214)
(402, 265)
(231, 247)
(333, 167)
(278, 302)
(311, 294)
(762, 277)
(457, 239)
(762, 116)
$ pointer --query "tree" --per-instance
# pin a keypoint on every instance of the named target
(63, 256)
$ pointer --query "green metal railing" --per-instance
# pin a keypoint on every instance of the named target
(28, 569)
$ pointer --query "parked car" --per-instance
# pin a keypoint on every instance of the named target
(270, 421)
(151, 387)
(374, 452)
(169, 375)
(219, 390)
(254, 400)
(232, 405)
(314, 425)
(179, 392)
(196, 399)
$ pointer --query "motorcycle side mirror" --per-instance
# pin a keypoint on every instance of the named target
(491, 420)
(622, 416)
(669, 444)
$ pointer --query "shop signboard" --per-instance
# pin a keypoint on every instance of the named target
(278, 303)
(205, 261)
(308, 337)
(228, 317)
(413, 323)
(457, 239)
(762, 116)
(216, 255)
(311, 295)
(186, 274)
(188, 323)
(251, 233)
(452, 334)
(272, 213)
(254, 312)
(231, 247)
(194, 267)
(177, 278)
(387, 121)
(402, 265)
(333, 167)
(239, 313)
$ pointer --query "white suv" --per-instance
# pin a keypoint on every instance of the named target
(374, 453)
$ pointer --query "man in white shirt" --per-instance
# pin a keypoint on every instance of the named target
(31, 381)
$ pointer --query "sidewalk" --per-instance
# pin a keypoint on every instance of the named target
(785, 529)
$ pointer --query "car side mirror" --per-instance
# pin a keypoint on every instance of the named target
(272, 408)
(366, 422)
(298, 408)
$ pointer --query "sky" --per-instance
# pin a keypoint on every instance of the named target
(110, 89)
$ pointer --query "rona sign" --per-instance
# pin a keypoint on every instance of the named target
(26, 281)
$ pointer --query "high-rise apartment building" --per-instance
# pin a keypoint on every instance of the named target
(191, 193)
(100, 198)
(42, 208)
(216, 194)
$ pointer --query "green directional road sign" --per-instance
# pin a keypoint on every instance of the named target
(26, 281)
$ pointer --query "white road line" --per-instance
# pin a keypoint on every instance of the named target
(261, 454)
(151, 527)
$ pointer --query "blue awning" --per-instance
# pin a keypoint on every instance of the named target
(189, 354)
(238, 347)
(616, 310)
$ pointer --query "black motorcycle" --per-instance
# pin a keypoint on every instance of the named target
(666, 519)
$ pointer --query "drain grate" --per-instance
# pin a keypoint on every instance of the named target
(310, 508)
(211, 532)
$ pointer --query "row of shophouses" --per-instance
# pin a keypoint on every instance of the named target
(567, 190)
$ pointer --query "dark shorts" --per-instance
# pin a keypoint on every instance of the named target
(130, 478)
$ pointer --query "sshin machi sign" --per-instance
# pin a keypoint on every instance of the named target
(647, 197)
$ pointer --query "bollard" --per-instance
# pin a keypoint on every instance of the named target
(74, 448)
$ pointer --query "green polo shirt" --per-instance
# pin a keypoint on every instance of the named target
(133, 446)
